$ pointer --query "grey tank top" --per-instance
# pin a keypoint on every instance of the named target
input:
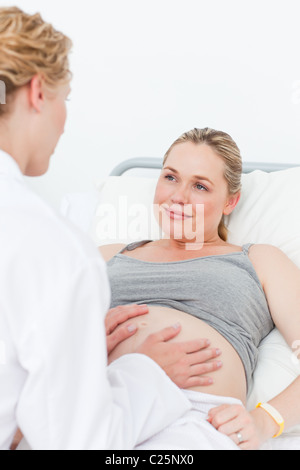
(222, 290)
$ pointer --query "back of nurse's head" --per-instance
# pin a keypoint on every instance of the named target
(29, 46)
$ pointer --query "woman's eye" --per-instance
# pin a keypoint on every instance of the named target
(169, 177)
(201, 187)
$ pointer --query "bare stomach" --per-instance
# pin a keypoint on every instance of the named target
(229, 381)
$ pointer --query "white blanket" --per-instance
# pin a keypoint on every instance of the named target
(192, 431)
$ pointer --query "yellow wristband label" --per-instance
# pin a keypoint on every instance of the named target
(274, 414)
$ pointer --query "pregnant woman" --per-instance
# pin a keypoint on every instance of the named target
(229, 294)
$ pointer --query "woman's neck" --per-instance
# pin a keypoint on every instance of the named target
(180, 245)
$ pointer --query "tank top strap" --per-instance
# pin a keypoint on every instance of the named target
(134, 245)
(246, 248)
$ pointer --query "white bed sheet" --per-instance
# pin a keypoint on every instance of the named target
(289, 442)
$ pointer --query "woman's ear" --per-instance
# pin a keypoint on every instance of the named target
(231, 203)
(36, 94)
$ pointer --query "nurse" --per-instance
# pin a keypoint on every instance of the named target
(54, 381)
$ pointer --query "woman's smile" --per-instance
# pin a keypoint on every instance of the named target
(176, 214)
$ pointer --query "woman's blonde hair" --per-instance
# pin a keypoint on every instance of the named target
(29, 46)
(226, 148)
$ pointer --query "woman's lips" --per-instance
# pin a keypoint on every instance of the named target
(176, 215)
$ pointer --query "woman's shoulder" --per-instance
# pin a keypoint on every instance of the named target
(262, 254)
(264, 250)
(109, 251)
(267, 260)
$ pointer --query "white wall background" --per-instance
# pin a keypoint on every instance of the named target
(147, 70)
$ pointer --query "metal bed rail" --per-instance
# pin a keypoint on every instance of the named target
(156, 164)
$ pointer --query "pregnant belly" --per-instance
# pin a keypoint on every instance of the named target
(229, 381)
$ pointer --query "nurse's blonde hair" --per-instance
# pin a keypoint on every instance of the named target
(30, 46)
(227, 149)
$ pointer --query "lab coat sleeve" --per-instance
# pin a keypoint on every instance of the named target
(70, 398)
(156, 402)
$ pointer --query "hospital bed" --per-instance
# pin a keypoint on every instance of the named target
(119, 210)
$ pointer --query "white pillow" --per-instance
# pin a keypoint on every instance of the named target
(268, 212)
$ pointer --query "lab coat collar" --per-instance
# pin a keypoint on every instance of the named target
(9, 167)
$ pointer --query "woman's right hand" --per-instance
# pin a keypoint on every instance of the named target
(186, 363)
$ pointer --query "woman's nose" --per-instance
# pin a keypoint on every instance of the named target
(180, 196)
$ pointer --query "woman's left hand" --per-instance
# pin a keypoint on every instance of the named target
(249, 431)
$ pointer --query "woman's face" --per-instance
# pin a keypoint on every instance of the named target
(192, 194)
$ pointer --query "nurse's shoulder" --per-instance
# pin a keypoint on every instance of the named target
(39, 232)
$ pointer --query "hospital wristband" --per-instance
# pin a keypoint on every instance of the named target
(274, 414)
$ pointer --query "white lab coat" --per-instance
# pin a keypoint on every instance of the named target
(54, 380)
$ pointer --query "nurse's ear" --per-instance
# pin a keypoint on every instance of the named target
(231, 203)
(36, 94)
